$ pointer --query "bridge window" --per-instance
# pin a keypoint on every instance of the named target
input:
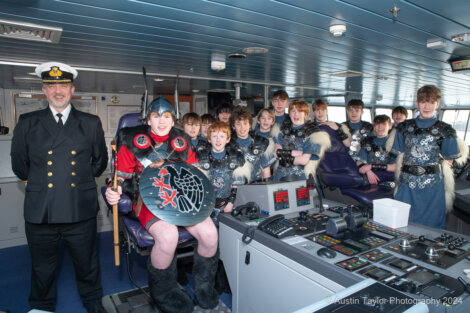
(380, 111)
(366, 116)
(336, 113)
(459, 120)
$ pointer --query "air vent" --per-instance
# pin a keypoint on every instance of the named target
(347, 73)
(27, 31)
(255, 50)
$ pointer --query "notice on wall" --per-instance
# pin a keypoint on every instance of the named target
(200, 105)
(183, 108)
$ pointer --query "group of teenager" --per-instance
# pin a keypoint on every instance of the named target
(231, 149)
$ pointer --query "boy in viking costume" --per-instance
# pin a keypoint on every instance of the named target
(149, 146)
(320, 112)
(257, 150)
(399, 114)
(428, 147)
(192, 125)
(280, 101)
(374, 160)
(299, 146)
(264, 122)
(225, 166)
(358, 128)
(206, 121)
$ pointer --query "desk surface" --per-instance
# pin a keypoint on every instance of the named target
(291, 247)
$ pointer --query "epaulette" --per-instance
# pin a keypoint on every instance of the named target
(236, 157)
(126, 134)
(310, 128)
(368, 126)
(446, 130)
(260, 142)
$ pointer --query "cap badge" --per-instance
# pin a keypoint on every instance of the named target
(55, 72)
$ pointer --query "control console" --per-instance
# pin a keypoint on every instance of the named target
(424, 263)
(278, 197)
(440, 252)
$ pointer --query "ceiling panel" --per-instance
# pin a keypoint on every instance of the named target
(111, 40)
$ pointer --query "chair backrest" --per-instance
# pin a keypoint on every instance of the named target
(128, 120)
(337, 168)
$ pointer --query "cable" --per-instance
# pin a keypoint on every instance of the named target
(132, 278)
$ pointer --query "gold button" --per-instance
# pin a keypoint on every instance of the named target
(49, 152)
(72, 184)
(49, 162)
(73, 152)
(49, 174)
(73, 162)
(50, 185)
(73, 173)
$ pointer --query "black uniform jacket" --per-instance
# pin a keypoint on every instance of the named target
(60, 165)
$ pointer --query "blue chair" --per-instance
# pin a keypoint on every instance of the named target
(337, 170)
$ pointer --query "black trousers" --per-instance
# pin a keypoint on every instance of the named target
(44, 243)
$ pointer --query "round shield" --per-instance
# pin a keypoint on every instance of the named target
(177, 193)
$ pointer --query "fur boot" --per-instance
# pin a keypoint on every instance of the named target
(165, 292)
(204, 270)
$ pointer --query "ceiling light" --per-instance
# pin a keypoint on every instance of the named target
(218, 61)
(338, 29)
(461, 37)
(29, 31)
(195, 90)
(436, 43)
(255, 50)
(347, 73)
(158, 79)
(237, 56)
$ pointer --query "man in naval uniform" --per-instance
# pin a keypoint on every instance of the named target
(58, 152)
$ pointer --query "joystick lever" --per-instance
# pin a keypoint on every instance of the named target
(303, 216)
(406, 243)
(433, 252)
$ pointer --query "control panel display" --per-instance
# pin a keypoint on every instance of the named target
(303, 196)
(281, 200)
